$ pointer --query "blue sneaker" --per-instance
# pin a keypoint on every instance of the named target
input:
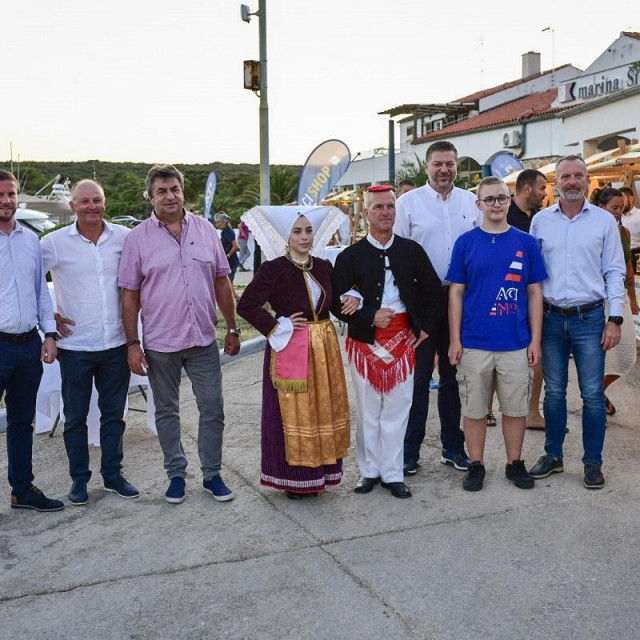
(410, 467)
(455, 459)
(433, 384)
(78, 494)
(175, 492)
(119, 485)
(218, 489)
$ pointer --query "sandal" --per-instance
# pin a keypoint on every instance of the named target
(609, 408)
(491, 420)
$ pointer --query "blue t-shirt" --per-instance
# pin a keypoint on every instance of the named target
(495, 269)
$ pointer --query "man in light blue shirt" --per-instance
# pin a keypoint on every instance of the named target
(582, 252)
(25, 306)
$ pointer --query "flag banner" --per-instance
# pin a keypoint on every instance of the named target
(325, 165)
(209, 192)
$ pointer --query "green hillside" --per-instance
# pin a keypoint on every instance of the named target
(238, 184)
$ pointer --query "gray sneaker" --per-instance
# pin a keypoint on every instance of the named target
(545, 466)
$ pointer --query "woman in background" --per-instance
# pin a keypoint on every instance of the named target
(622, 357)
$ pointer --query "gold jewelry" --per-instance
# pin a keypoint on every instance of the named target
(306, 266)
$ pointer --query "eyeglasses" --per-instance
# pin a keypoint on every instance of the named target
(491, 200)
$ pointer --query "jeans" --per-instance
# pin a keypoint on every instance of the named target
(202, 365)
(79, 370)
(451, 435)
(579, 334)
(20, 374)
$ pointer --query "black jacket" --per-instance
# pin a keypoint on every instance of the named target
(361, 267)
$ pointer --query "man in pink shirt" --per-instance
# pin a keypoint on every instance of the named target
(174, 270)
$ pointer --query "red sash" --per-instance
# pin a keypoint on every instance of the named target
(388, 361)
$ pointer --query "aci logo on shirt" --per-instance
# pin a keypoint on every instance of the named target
(507, 299)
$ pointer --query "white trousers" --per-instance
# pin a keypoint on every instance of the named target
(381, 425)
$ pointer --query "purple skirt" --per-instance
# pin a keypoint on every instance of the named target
(275, 472)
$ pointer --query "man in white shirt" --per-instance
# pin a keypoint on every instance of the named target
(83, 259)
(25, 307)
(582, 252)
(435, 215)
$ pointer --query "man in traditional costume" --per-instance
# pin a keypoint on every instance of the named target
(305, 410)
(400, 292)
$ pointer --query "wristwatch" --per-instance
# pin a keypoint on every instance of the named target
(616, 320)
(236, 332)
(52, 334)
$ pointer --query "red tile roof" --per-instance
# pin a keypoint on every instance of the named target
(507, 85)
(631, 34)
(527, 108)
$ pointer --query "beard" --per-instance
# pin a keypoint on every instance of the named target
(6, 213)
(573, 195)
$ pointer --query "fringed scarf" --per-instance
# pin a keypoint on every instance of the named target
(388, 361)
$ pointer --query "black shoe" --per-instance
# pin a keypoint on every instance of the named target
(398, 489)
(292, 495)
(518, 474)
(545, 466)
(410, 467)
(34, 499)
(120, 486)
(593, 478)
(365, 485)
(78, 493)
(474, 477)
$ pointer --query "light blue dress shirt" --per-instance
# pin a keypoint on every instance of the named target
(583, 257)
(24, 297)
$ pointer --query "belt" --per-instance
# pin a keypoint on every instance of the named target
(573, 311)
(18, 338)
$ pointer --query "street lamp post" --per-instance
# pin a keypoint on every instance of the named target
(265, 176)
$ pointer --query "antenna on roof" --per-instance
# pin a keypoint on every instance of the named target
(553, 54)
(481, 64)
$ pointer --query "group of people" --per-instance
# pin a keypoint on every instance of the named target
(169, 275)
(498, 293)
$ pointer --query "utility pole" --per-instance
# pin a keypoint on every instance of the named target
(265, 173)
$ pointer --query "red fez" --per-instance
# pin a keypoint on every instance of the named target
(376, 188)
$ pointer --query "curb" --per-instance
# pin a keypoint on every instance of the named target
(248, 348)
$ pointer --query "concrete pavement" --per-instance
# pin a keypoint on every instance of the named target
(557, 561)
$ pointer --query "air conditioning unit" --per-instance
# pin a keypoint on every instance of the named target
(511, 139)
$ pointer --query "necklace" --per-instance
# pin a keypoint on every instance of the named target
(303, 266)
(495, 235)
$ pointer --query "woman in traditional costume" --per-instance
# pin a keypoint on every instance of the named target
(305, 410)
(620, 360)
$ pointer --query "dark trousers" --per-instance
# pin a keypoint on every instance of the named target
(448, 397)
(20, 374)
(111, 373)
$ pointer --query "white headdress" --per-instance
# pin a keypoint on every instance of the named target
(271, 226)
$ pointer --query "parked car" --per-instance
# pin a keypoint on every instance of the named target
(130, 221)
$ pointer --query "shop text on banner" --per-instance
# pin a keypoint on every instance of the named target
(325, 165)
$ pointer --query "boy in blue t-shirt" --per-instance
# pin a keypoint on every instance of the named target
(495, 318)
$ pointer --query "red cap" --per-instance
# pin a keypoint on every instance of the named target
(380, 187)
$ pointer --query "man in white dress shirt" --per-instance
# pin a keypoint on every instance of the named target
(84, 258)
(435, 216)
(25, 306)
(582, 252)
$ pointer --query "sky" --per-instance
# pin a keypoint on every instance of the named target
(162, 81)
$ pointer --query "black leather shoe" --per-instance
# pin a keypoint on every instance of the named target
(365, 485)
(398, 489)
